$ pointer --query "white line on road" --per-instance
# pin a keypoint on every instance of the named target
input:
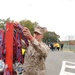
(69, 65)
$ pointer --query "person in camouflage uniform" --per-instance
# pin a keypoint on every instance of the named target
(36, 53)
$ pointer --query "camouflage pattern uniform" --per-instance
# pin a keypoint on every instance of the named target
(34, 62)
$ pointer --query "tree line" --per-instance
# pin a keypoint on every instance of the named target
(48, 36)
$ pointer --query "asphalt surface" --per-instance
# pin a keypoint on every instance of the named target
(55, 59)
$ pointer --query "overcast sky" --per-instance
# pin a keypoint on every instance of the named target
(55, 15)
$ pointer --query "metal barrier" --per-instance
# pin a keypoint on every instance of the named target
(69, 47)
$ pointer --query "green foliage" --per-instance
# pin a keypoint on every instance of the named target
(28, 24)
(1, 26)
(50, 37)
(3, 21)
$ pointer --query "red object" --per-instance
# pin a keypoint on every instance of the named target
(13, 36)
(9, 46)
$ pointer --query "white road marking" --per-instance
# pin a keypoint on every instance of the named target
(67, 64)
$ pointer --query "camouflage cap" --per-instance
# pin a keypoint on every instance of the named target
(39, 30)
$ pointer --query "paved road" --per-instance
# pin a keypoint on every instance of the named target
(54, 61)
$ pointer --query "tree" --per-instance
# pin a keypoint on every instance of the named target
(28, 24)
(3, 21)
(50, 37)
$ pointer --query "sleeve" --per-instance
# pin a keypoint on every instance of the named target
(41, 48)
(23, 44)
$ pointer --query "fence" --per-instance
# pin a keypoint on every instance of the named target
(69, 47)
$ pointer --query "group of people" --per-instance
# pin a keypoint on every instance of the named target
(36, 52)
(56, 46)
